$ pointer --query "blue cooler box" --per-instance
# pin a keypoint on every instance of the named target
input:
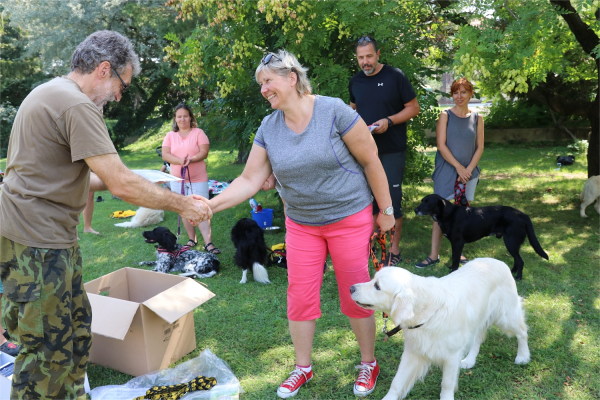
(263, 218)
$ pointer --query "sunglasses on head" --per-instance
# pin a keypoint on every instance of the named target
(364, 39)
(269, 57)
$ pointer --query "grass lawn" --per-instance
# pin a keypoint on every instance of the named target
(246, 325)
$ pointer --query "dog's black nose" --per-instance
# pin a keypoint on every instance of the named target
(352, 289)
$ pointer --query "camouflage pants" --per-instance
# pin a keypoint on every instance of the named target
(48, 311)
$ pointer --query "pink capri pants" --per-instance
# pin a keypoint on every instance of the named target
(347, 241)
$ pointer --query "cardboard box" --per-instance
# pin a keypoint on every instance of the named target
(143, 321)
(6, 369)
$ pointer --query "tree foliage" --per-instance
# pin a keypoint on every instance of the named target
(223, 54)
(55, 28)
(543, 50)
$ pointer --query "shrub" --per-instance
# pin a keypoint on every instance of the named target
(7, 117)
(507, 114)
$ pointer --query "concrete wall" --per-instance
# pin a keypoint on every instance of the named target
(550, 134)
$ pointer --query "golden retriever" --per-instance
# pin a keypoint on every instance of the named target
(444, 318)
(589, 194)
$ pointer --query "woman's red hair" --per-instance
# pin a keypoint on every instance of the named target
(461, 82)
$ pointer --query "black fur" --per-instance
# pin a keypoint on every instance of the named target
(203, 264)
(249, 241)
(468, 224)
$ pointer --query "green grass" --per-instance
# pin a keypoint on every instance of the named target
(246, 325)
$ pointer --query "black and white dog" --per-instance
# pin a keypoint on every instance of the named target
(173, 257)
(468, 224)
(250, 249)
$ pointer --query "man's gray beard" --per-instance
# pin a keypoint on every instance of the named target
(372, 70)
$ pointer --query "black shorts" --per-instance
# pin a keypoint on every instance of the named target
(393, 165)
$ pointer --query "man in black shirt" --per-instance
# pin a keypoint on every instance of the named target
(383, 96)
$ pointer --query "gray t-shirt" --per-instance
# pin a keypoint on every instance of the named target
(317, 176)
(461, 137)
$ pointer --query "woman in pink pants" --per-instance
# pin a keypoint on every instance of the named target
(325, 165)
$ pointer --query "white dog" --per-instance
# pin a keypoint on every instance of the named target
(589, 194)
(143, 217)
(442, 318)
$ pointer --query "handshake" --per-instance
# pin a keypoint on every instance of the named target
(196, 209)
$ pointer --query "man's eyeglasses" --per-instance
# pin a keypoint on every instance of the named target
(364, 39)
(269, 57)
(125, 87)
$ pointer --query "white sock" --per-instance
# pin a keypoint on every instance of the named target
(304, 369)
(370, 364)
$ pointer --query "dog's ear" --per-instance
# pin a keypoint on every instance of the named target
(169, 240)
(438, 209)
(402, 307)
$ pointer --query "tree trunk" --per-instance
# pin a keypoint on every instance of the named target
(593, 155)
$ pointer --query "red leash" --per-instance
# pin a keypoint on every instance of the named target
(381, 239)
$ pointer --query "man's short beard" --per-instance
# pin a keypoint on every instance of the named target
(373, 69)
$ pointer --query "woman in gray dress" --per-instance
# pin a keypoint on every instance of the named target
(459, 135)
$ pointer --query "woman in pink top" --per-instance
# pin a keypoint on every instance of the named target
(187, 146)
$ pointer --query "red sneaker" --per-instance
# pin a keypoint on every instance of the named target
(292, 385)
(367, 379)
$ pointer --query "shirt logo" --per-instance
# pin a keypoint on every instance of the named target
(380, 84)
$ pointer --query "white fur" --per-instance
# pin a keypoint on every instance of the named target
(456, 312)
(260, 273)
(143, 217)
(589, 194)
(244, 276)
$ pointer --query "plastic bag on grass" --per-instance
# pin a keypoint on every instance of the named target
(207, 364)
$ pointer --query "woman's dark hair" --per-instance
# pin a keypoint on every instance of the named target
(193, 123)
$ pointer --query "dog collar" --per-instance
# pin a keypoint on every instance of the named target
(399, 328)
(175, 253)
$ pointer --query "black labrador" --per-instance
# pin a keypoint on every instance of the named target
(468, 224)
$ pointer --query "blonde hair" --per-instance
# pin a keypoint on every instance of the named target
(283, 63)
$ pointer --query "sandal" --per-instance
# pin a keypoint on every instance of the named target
(394, 259)
(428, 261)
(10, 348)
(6, 335)
(214, 250)
(192, 243)
(464, 261)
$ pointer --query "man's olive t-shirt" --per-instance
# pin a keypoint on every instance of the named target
(46, 180)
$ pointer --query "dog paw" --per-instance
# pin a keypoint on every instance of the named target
(522, 359)
(467, 364)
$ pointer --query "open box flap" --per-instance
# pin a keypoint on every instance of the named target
(111, 317)
(178, 300)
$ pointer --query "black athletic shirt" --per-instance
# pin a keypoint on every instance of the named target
(379, 96)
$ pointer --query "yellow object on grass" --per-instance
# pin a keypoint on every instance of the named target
(175, 392)
(122, 214)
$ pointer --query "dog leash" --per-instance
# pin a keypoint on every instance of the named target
(381, 240)
(184, 170)
(460, 198)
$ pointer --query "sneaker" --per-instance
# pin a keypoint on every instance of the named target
(367, 379)
(10, 348)
(292, 384)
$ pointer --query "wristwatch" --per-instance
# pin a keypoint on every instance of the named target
(390, 122)
(387, 211)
